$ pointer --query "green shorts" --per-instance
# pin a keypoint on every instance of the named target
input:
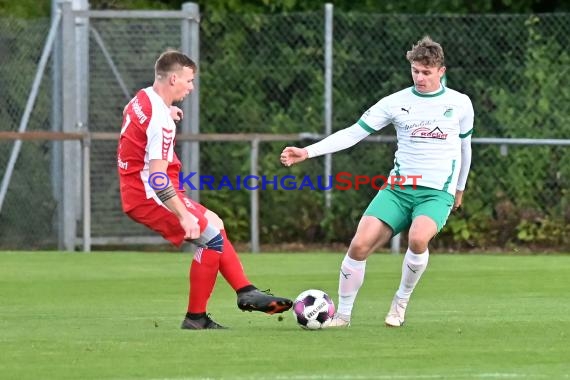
(397, 208)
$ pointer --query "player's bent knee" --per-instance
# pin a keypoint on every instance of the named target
(418, 245)
(359, 250)
(216, 243)
(210, 238)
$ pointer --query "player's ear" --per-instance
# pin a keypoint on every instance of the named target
(172, 79)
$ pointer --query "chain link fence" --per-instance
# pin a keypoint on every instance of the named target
(265, 74)
(27, 218)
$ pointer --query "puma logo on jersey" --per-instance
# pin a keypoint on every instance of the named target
(406, 110)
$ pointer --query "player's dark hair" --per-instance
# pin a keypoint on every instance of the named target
(426, 52)
(172, 60)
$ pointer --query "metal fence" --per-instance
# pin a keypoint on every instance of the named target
(281, 74)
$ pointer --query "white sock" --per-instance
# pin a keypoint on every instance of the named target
(412, 269)
(350, 280)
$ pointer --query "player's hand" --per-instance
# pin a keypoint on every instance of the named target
(458, 200)
(292, 155)
(176, 113)
(189, 224)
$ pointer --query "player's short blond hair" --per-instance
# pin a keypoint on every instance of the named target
(172, 60)
(426, 52)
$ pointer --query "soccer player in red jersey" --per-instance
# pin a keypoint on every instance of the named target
(148, 171)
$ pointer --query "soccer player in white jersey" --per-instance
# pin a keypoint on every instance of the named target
(150, 194)
(434, 126)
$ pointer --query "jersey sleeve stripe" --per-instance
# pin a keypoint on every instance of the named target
(365, 126)
(464, 135)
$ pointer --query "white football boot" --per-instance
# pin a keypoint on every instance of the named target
(340, 320)
(395, 317)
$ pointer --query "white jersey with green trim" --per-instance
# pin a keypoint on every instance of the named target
(429, 129)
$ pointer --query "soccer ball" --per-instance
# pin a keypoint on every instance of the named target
(313, 309)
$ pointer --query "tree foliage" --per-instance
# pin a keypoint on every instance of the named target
(34, 8)
(263, 73)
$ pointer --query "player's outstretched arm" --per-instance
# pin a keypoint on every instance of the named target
(345, 138)
(292, 155)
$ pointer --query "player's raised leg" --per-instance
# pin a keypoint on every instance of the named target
(249, 298)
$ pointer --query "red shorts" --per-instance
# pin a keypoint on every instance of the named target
(160, 219)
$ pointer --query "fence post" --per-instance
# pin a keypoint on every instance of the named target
(328, 92)
(504, 149)
(56, 146)
(254, 196)
(71, 149)
(86, 151)
(81, 83)
(191, 105)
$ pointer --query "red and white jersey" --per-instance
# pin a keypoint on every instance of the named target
(147, 133)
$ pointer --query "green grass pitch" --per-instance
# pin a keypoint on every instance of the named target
(117, 316)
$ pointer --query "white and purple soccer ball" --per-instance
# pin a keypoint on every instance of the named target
(313, 309)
